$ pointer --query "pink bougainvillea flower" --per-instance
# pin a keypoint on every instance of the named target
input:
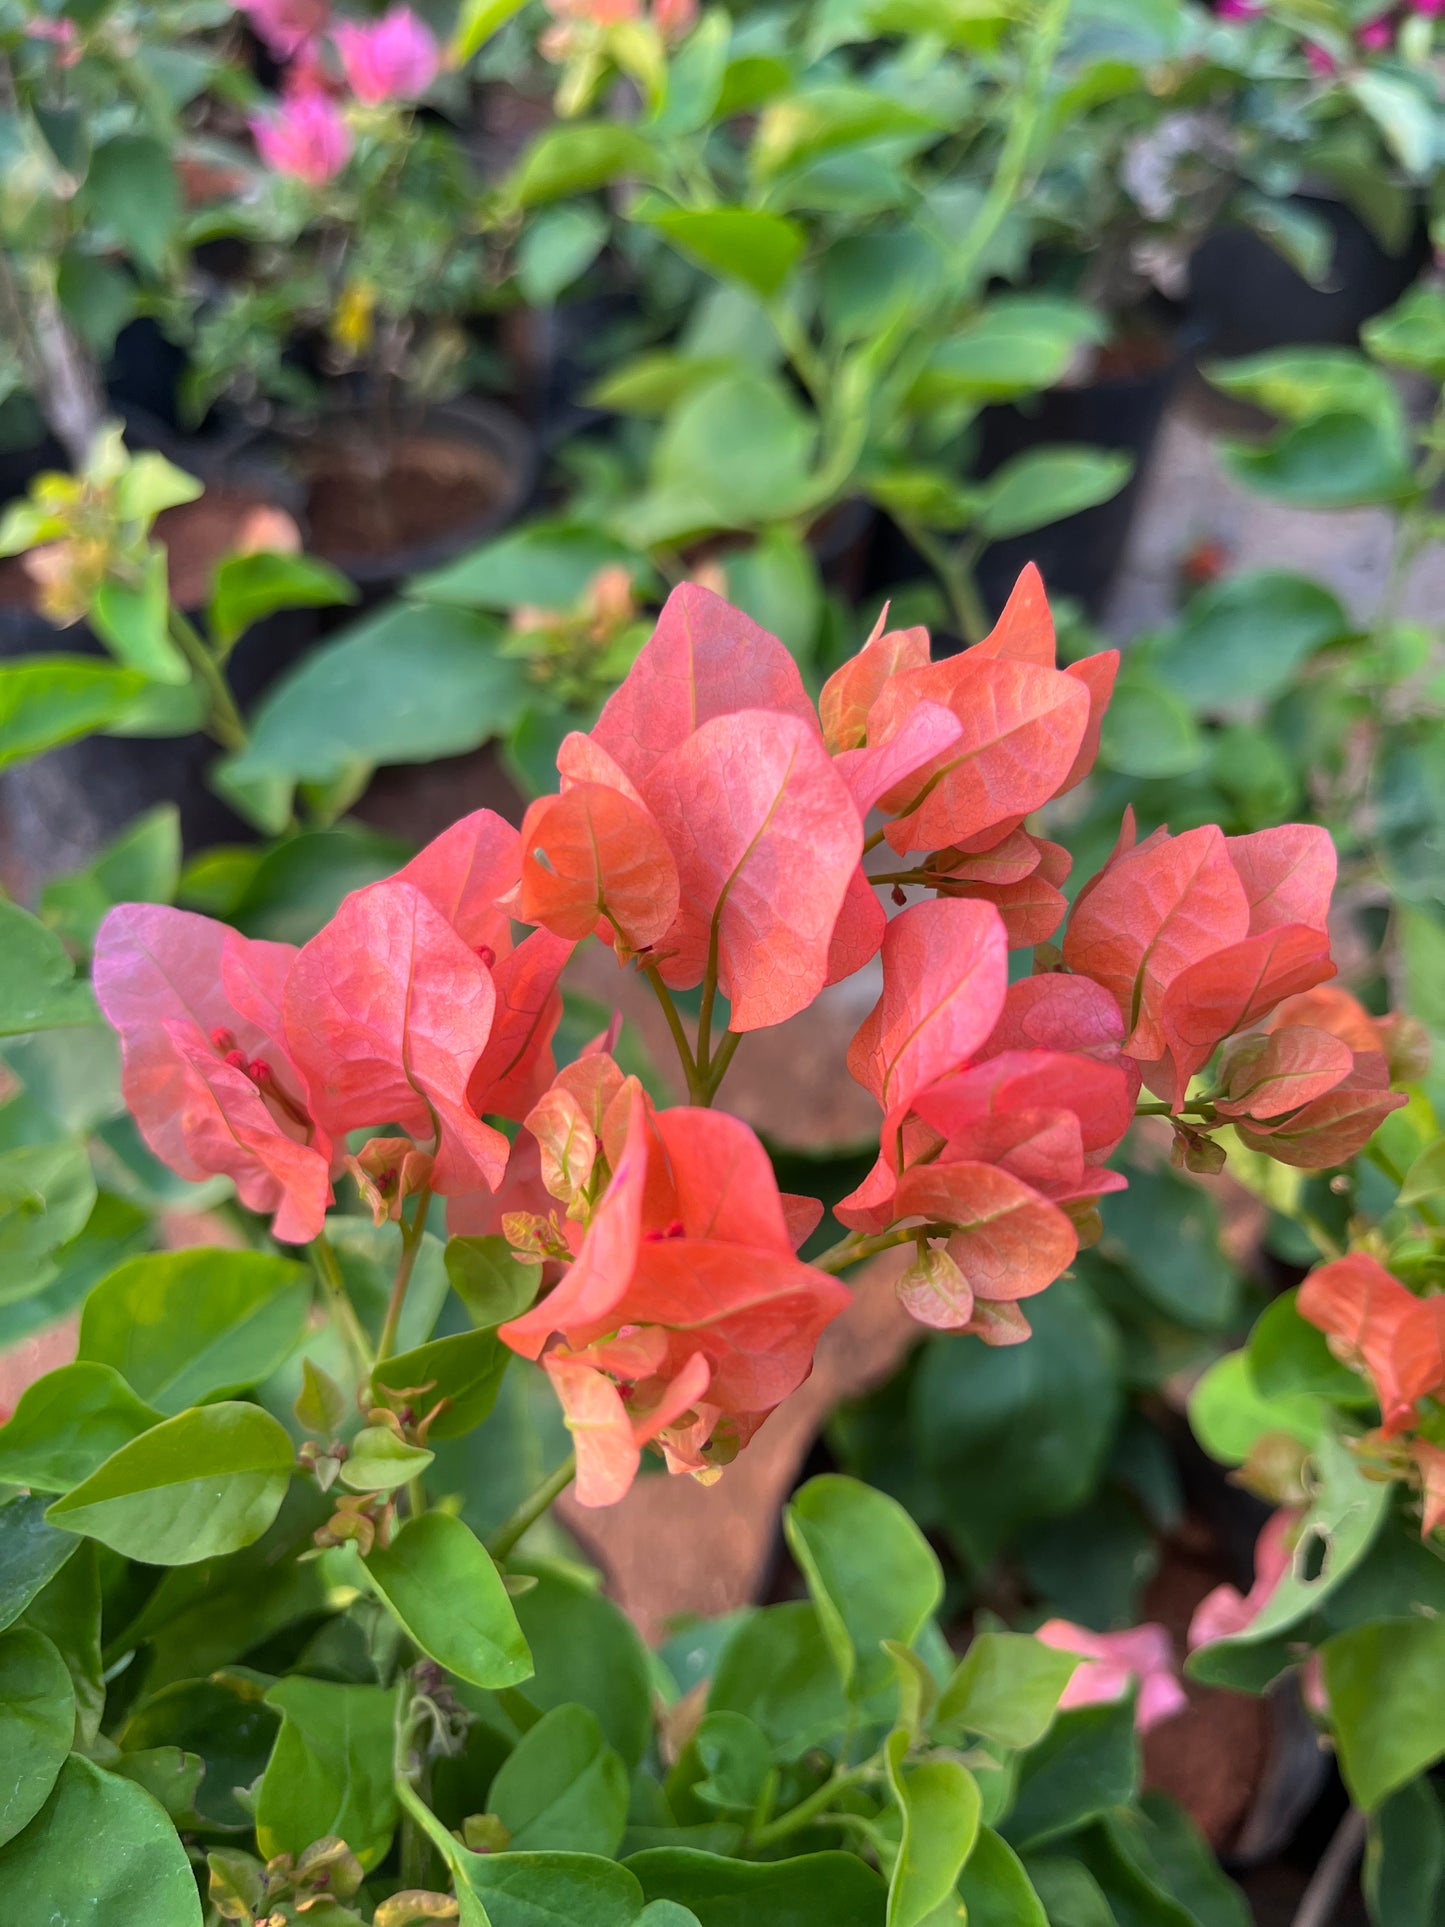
(685, 1298)
(1375, 1325)
(596, 855)
(387, 1012)
(1226, 1612)
(674, 19)
(1430, 1465)
(394, 58)
(285, 26)
(850, 692)
(207, 1073)
(1322, 63)
(1202, 935)
(63, 35)
(1376, 36)
(1142, 1657)
(305, 136)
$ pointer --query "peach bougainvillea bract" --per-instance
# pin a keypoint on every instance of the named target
(716, 829)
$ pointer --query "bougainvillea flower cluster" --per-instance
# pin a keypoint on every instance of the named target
(1139, 1659)
(715, 829)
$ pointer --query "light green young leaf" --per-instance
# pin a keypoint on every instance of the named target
(1006, 1688)
(207, 1482)
(49, 700)
(1047, 485)
(562, 1787)
(443, 1587)
(249, 588)
(871, 1573)
(67, 1424)
(38, 988)
(330, 1771)
(466, 1369)
(940, 1804)
(743, 244)
(378, 1460)
(133, 621)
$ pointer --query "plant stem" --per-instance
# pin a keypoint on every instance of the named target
(853, 1249)
(226, 722)
(674, 1024)
(964, 602)
(704, 1011)
(1322, 1895)
(808, 1810)
(717, 1070)
(411, 1237)
(532, 1507)
(329, 1272)
(872, 842)
(1202, 1108)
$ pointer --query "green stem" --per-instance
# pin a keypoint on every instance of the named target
(532, 1507)
(807, 1811)
(411, 1237)
(674, 1024)
(717, 1070)
(853, 1249)
(872, 842)
(952, 569)
(1202, 1109)
(226, 722)
(329, 1272)
(704, 1009)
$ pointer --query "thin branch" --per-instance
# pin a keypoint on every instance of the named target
(1322, 1896)
(532, 1507)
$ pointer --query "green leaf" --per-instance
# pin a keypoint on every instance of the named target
(871, 1573)
(585, 1649)
(562, 1787)
(1071, 1894)
(466, 1369)
(142, 865)
(1164, 1231)
(1300, 384)
(49, 700)
(31, 1553)
(185, 1326)
(489, 1281)
(100, 1850)
(577, 157)
(779, 1669)
(806, 125)
(477, 21)
(133, 621)
(1335, 461)
(728, 1762)
(1404, 115)
(249, 588)
(1148, 731)
(816, 1890)
(132, 189)
(38, 990)
(440, 1582)
(1006, 1688)
(1386, 1686)
(1288, 1356)
(995, 1890)
(207, 1482)
(940, 1805)
(349, 705)
(47, 1192)
(1243, 640)
(67, 1424)
(67, 1612)
(547, 1890)
(744, 244)
(330, 1771)
(1046, 485)
(379, 1460)
(1412, 333)
(736, 451)
(548, 564)
(1086, 1763)
(224, 1719)
(149, 483)
(1405, 1858)
(557, 246)
(171, 1777)
(1426, 1176)
(1014, 345)
(37, 1725)
(1229, 1413)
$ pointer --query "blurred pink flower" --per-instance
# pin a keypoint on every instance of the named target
(1141, 1655)
(394, 58)
(1238, 9)
(305, 137)
(1377, 36)
(1321, 62)
(285, 25)
(62, 34)
(1428, 7)
(674, 19)
(1227, 1611)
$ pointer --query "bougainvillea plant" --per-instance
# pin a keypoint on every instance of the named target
(738, 849)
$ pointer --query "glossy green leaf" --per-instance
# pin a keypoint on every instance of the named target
(1405, 1858)
(182, 1326)
(1149, 731)
(171, 1777)
(736, 451)
(1230, 1414)
(465, 1369)
(575, 158)
(1165, 1232)
(585, 1649)
(1301, 383)
(47, 1193)
(815, 1890)
(547, 1890)
(1015, 345)
(1006, 1688)
(1070, 1893)
(226, 1721)
(206, 1482)
(100, 1850)
(562, 1787)
(67, 1613)
(133, 621)
(248, 588)
(994, 1888)
(1335, 461)
(330, 1771)
(745, 244)
(142, 865)
(67, 1424)
(779, 1669)
(547, 563)
(1288, 1357)
(380, 1460)
(940, 1805)
(477, 21)
(439, 1580)
(1046, 485)
(1405, 114)
(489, 1281)
(871, 1573)
(1242, 640)
(37, 1725)
(806, 125)
(1412, 333)
(1086, 1763)
(38, 989)
(1386, 1686)
(32, 1551)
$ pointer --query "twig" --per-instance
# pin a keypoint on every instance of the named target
(1327, 1884)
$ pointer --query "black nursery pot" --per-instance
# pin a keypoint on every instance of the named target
(1245, 298)
(1080, 555)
